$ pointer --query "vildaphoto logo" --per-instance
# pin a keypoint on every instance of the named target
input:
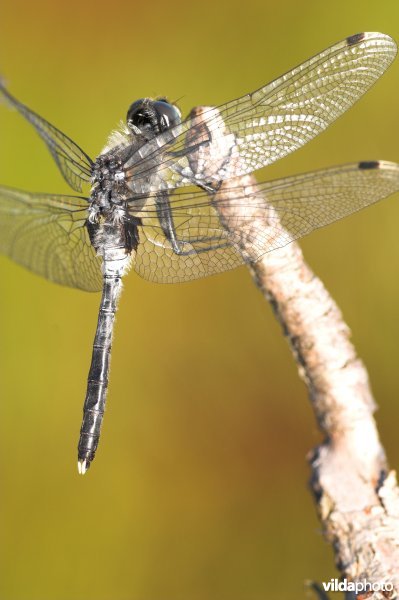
(336, 585)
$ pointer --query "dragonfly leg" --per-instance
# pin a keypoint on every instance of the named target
(207, 245)
(165, 217)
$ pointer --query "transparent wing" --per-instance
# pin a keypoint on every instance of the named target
(74, 164)
(243, 220)
(47, 235)
(254, 131)
(206, 247)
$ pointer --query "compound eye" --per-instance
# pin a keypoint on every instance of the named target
(168, 115)
(137, 115)
(152, 117)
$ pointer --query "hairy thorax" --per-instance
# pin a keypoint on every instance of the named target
(110, 225)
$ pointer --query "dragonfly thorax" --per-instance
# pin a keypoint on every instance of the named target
(108, 187)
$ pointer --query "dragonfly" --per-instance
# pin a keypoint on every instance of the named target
(168, 195)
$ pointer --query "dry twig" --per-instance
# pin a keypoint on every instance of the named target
(357, 496)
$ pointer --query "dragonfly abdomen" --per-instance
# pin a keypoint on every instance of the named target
(97, 383)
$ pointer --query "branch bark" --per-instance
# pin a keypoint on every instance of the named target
(357, 496)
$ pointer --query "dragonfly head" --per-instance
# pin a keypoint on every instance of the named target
(152, 117)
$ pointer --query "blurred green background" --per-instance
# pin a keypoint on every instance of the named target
(199, 489)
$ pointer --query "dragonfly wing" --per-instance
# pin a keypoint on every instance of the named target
(289, 112)
(74, 164)
(261, 127)
(204, 244)
(47, 234)
(244, 220)
(267, 216)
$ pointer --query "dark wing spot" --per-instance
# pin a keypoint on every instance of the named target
(372, 164)
(355, 39)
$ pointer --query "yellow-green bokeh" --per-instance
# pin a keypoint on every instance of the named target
(199, 490)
